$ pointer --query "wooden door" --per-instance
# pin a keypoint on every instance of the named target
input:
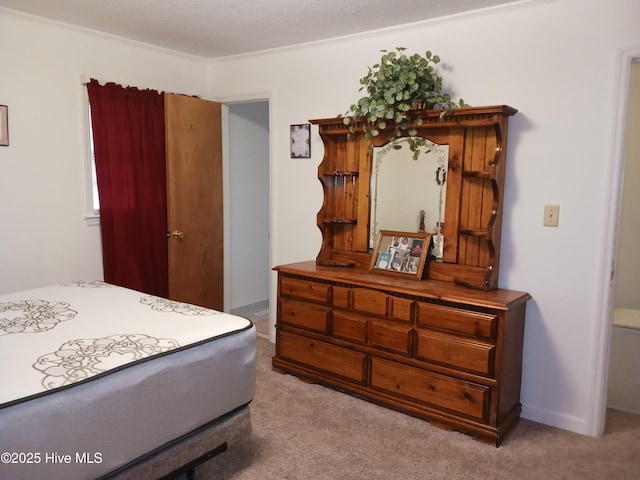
(194, 200)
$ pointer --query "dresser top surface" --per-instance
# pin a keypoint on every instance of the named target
(434, 289)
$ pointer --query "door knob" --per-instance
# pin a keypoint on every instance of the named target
(178, 234)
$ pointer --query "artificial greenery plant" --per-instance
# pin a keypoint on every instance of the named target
(396, 86)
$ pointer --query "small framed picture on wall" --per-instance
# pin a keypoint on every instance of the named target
(4, 126)
(300, 137)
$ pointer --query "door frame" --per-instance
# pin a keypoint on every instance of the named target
(602, 339)
(226, 101)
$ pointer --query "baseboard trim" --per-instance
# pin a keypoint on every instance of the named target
(257, 307)
(557, 420)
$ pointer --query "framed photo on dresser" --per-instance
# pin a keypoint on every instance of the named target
(400, 253)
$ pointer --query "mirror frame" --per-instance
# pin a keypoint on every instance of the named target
(477, 139)
(427, 169)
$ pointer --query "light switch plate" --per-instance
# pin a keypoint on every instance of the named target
(551, 215)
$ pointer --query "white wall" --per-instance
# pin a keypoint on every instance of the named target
(248, 204)
(43, 235)
(557, 61)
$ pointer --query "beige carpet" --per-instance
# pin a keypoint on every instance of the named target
(308, 432)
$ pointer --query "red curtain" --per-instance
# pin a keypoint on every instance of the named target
(128, 137)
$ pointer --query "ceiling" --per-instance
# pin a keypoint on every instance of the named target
(220, 28)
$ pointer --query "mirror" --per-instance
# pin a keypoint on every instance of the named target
(406, 194)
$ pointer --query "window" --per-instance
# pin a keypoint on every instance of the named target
(94, 182)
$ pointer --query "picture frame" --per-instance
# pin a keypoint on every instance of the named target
(401, 254)
(300, 139)
(4, 126)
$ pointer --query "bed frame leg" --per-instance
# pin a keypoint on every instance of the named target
(190, 468)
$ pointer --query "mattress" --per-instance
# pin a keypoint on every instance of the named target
(94, 376)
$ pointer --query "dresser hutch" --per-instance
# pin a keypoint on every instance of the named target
(445, 347)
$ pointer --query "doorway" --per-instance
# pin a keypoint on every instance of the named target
(246, 182)
(623, 392)
(598, 397)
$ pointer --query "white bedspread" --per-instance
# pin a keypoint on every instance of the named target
(56, 336)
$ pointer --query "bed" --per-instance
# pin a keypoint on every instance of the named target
(99, 381)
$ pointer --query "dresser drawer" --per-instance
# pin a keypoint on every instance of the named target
(305, 315)
(305, 289)
(466, 322)
(370, 301)
(393, 337)
(457, 352)
(401, 308)
(322, 356)
(444, 392)
(341, 297)
(349, 327)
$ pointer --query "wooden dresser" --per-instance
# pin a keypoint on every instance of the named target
(442, 352)
(445, 346)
